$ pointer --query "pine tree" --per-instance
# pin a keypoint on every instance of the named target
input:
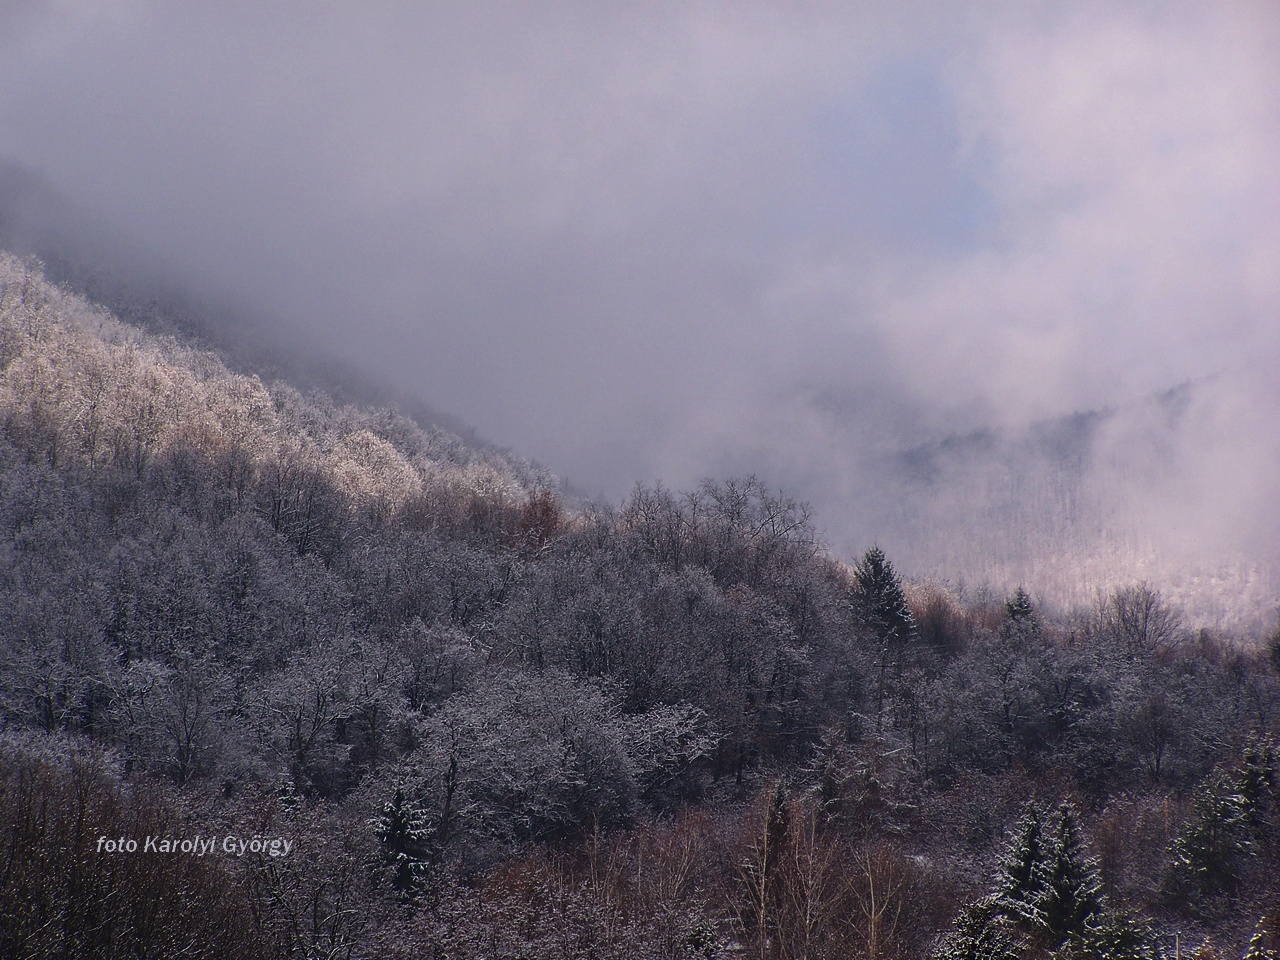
(982, 933)
(1265, 942)
(760, 868)
(1022, 623)
(777, 826)
(1069, 893)
(878, 600)
(881, 607)
(1255, 785)
(404, 835)
(1113, 936)
(1021, 870)
(1210, 852)
(1047, 898)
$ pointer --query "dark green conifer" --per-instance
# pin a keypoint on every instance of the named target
(1265, 942)
(1022, 622)
(1019, 607)
(881, 607)
(1069, 892)
(1255, 785)
(1018, 884)
(1209, 853)
(982, 932)
(404, 836)
(1112, 935)
(878, 600)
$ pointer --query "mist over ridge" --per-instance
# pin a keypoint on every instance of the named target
(995, 290)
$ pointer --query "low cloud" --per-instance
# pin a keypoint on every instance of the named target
(664, 242)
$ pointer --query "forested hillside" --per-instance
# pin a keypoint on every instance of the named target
(488, 723)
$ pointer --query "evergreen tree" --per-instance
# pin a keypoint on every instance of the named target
(1019, 607)
(1021, 870)
(982, 933)
(1069, 892)
(1112, 936)
(777, 826)
(1047, 899)
(759, 870)
(1265, 942)
(1210, 852)
(1255, 785)
(1022, 623)
(1233, 821)
(878, 601)
(404, 835)
(881, 607)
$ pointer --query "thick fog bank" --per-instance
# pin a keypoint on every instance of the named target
(934, 270)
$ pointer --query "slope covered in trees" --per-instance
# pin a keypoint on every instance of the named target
(491, 725)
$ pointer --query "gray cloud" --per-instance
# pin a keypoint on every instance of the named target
(663, 240)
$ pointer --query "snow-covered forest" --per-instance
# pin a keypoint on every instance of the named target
(492, 720)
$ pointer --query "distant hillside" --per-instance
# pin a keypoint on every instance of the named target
(1077, 504)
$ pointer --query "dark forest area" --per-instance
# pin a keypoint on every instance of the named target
(492, 721)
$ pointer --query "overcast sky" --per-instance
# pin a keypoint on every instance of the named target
(646, 240)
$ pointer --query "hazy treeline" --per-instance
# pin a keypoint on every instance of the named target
(496, 726)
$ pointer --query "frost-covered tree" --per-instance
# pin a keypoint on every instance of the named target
(1265, 942)
(405, 837)
(880, 606)
(171, 718)
(1069, 892)
(1232, 819)
(878, 600)
(1020, 876)
(981, 932)
(1047, 891)
(1138, 620)
(1112, 935)
(1022, 622)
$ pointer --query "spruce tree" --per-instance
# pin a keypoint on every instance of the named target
(1255, 785)
(404, 835)
(1069, 892)
(1019, 607)
(1209, 854)
(1234, 819)
(878, 601)
(881, 607)
(1113, 935)
(1018, 884)
(1022, 622)
(1265, 942)
(982, 933)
